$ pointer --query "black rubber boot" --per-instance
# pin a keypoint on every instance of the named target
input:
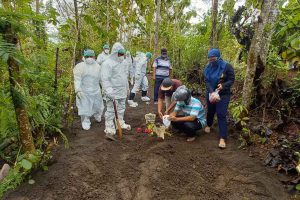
(131, 96)
(144, 93)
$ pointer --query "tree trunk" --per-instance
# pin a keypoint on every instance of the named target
(56, 71)
(214, 16)
(258, 52)
(107, 21)
(15, 81)
(157, 16)
(78, 49)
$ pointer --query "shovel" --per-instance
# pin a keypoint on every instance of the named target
(120, 132)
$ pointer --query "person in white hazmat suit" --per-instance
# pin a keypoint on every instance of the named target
(87, 88)
(131, 67)
(104, 55)
(141, 80)
(114, 76)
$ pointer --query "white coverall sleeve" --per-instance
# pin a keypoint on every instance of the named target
(77, 71)
(106, 73)
(99, 60)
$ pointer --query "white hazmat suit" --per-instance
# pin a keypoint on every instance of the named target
(102, 57)
(114, 76)
(141, 80)
(88, 94)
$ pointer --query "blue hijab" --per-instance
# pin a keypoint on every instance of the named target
(214, 70)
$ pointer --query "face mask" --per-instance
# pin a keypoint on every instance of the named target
(214, 63)
(120, 59)
(181, 102)
(163, 55)
(89, 61)
(106, 51)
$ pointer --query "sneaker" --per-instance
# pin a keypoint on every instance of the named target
(132, 104)
(145, 98)
(191, 139)
(207, 129)
(155, 102)
(126, 126)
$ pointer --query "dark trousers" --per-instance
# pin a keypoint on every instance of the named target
(158, 82)
(221, 109)
(189, 128)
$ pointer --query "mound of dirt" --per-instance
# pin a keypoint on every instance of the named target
(144, 167)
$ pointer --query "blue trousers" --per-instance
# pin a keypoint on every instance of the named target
(189, 128)
(221, 109)
(158, 82)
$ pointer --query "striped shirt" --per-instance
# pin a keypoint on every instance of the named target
(163, 67)
(194, 108)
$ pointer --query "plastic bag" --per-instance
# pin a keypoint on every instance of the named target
(166, 121)
(214, 97)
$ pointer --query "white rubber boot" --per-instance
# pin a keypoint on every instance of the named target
(145, 98)
(132, 104)
(126, 126)
(86, 123)
(98, 117)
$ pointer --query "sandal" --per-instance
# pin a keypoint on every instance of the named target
(207, 129)
(222, 144)
(190, 139)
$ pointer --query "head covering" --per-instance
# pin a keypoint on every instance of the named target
(166, 84)
(214, 70)
(122, 51)
(88, 52)
(148, 55)
(106, 46)
(117, 48)
(183, 94)
(214, 53)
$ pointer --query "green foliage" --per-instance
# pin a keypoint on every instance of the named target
(287, 30)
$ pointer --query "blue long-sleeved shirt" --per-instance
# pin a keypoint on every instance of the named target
(228, 78)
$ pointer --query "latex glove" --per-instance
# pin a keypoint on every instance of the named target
(79, 94)
(110, 96)
(137, 77)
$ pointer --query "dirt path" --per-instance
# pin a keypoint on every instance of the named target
(144, 167)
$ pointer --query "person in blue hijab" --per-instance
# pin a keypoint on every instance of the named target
(219, 77)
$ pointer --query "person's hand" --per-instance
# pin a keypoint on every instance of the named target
(220, 87)
(79, 94)
(160, 115)
(173, 118)
(153, 78)
(110, 96)
(166, 112)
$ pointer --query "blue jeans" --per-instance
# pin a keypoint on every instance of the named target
(221, 109)
(158, 82)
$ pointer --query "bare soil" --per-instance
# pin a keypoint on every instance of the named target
(144, 167)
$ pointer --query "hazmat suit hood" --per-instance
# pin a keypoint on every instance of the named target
(115, 49)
